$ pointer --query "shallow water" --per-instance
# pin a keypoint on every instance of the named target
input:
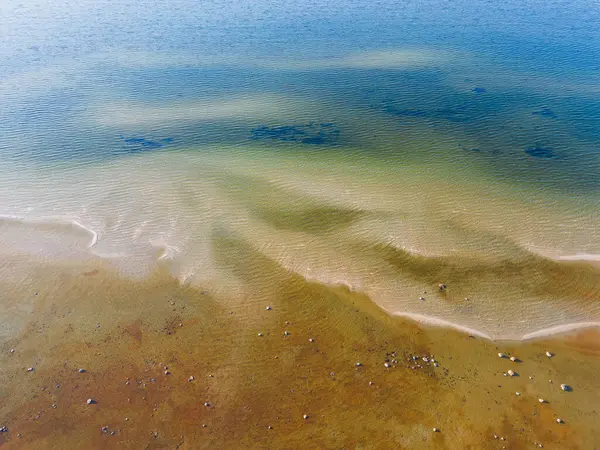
(386, 148)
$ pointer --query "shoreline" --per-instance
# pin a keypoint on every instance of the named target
(554, 331)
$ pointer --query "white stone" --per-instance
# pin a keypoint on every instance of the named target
(311, 340)
(260, 334)
(435, 430)
(91, 401)
(564, 387)
(268, 308)
(358, 364)
(206, 404)
(541, 400)
(286, 333)
(518, 393)
(305, 416)
(191, 378)
(513, 359)
(559, 421)
(511, 373)
(549, 355)
(81, 370)
(387, 365)
(30, 369)
(501, 355)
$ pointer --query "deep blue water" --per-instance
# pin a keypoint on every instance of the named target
(522, 79)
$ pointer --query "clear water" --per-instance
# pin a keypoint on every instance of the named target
(389, 147)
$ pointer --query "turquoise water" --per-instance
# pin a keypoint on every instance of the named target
(385, 146)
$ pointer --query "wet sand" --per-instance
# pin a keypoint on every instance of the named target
(140, 341)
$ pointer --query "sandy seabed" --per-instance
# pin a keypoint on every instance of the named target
(174, 366)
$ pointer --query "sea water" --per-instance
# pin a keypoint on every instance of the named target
(386, 147)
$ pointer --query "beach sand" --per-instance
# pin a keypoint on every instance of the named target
(140, 341)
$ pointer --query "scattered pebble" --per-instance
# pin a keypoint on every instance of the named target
(511, 373)
(565, 387)
(513, 359)
(541, 400)
(3, 430)
(286, 333)
(501, 355)
(421, 298)
(518, 393)
(387, 365)
(91, 401)
(206, 404)
(558, 420)
(81, 371)
(268, 308)
(12, 350)
(549, 355)
(305, 416)
(370, 383)
(435, 430)
(270, 427)
(30, 369)
(191, 378)
(260, 335)
(167, 372)
(531, 378)
(311, 340)
(358, 364)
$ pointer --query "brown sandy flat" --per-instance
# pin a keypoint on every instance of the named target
(127, 334)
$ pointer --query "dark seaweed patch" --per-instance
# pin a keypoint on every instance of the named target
(479, 90)
(540, 152)
(136, 144)
(544, 112)
(311, 133)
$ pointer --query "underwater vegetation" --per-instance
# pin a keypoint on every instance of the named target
(138, 144)
(544, 112)
(540, 152)
(311, 133)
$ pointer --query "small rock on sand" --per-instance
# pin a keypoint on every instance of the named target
(549, 355)
(305, 416)
(91, 401)
(501, 355)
